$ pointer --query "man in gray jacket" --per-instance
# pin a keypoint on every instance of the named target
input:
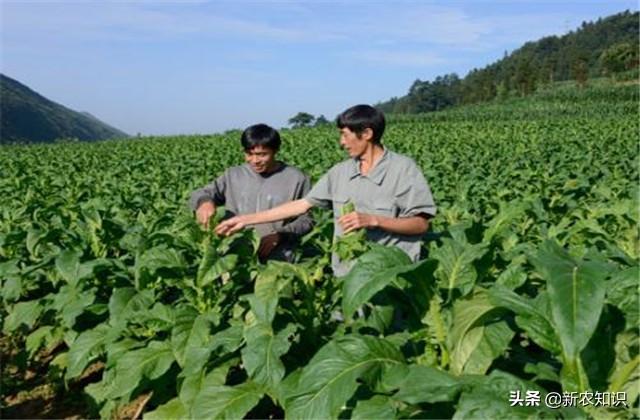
(260, 184)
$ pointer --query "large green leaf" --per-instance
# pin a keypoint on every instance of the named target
(377, 407)
(330, 378)
(420, 384)
(455, 270)
(530, 317)
(508, 213)
(224, 264)
(261, 356)
(373, 271)
(576, 295)
(225, 402)
(174, 409)
(489, 397)
(70, 302)
(132, 367)
(470, 341)
(272, 282)
(86, 347)
(493, 343)
(22, 313)
(193, 384)
(193, 345)
(154, 259)
(127, 303)
(70, 268)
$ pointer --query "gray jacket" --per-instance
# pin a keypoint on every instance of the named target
(243, 191)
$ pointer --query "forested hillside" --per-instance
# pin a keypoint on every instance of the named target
(606, 47)
(28, 117)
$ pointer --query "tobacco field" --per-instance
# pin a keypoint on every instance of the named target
(529, 281)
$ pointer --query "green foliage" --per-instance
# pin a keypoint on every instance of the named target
(301, 119)
(619, 58)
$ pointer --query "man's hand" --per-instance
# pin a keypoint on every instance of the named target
(267, 244)
(204, 213)
(230, 226)
(354, 220)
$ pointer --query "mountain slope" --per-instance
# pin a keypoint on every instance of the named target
(29, 117)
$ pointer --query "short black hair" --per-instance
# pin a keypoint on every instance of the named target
(360, 117)
(260, 135)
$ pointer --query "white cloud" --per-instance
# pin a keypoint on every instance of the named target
(399, 58)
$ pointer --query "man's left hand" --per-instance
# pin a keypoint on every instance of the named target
(267, 244)
(354, 220)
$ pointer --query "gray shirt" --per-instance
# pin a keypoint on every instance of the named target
(243, 191)
(395, 187)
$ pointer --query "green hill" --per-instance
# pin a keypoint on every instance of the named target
(28, 117)
(604, 47)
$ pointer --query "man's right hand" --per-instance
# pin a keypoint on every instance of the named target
(231, 226)
(204, 213)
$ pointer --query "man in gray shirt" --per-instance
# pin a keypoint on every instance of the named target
(260, 184)
(392, 199)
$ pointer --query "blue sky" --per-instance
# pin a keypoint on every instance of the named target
(160, 67)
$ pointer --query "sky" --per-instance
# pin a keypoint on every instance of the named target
(197, 67)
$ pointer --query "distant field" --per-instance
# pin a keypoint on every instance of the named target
(529, 281)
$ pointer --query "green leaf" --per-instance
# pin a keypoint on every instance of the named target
(225, 402)
(426, 384)
(261, 356)
(71, 302)
(69, 267)
(455, 270)
(193, 384)
(272, 282)
(543, 371)
(127, 303)
(35, 340)
(623, 290)
(576, 295)
(154, 259)
(22, 313)
(86, 347)
(149, 362)
(329, 380)
(377, 407)
(469, 343)
(488, 397)
(508, 213)
(513, 277)
(494, 342)
(221, 265)
(229, 339)
(174, 409)
(12, 282)
(531, 316)
(192, 342)
(625, 376)
(372, 271)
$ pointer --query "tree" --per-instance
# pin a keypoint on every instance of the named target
(301, 119)
(580, 71)
(619, 57)
(321, 120)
